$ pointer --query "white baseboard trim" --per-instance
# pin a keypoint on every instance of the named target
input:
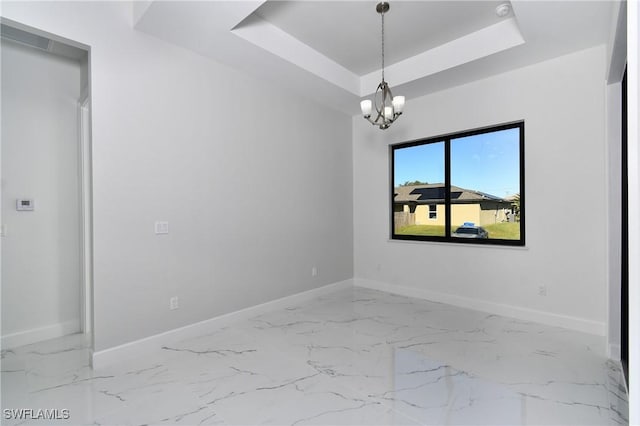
(614, 351)
(106, 357)
(565, 321)
(40, 334)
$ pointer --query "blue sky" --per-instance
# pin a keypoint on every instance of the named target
(487, 162)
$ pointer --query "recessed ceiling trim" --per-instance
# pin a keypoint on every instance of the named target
(485, 42)
(25, 38)
(139, 8)
(551, 29)
(274, 40)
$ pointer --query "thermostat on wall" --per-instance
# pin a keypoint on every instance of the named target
(24, 205)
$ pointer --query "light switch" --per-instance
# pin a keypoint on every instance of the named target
(162, 228)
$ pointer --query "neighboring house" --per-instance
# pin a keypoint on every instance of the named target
(424, 205)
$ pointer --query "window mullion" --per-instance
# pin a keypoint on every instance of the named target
(447, 188)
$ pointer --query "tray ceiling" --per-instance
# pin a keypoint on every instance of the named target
(330, 51)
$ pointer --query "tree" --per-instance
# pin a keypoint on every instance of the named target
(515, 203)
(414, 183)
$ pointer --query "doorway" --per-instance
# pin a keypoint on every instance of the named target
(46, 202)
(624, 290)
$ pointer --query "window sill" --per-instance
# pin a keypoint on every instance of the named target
(450, 244)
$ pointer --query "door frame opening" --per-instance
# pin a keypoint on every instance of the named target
(84, 152)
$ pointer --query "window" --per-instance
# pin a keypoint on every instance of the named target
(433, 212)
(464, 187)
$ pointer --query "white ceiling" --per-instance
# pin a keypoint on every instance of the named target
(330, 51)
(349, 32)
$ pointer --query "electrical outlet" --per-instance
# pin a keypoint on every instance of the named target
(174, 303)
(314, 271)
(161, 227)
(542, 290)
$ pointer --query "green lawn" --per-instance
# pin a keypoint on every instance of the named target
(503, 231)
(430, 230)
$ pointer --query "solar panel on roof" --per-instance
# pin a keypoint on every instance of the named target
(429, 193)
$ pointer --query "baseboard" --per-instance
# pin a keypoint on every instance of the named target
(34, 335)
(106, 357)
(565, 321)
(614, 351)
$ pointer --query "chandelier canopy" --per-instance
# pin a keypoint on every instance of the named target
(388, 107)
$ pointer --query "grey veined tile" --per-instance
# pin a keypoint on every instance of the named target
(353, 357)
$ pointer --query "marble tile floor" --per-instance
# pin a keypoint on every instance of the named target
(354, 357)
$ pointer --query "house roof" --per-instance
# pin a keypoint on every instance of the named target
(435, 192)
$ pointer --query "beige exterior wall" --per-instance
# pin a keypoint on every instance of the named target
(460, 213)
(492, 214)
(422, 215)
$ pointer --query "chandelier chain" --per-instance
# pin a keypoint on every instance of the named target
(387, 106)
(382, 45)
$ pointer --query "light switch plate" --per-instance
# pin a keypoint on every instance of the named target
(24, 205)
(174, 303)
(162, 228)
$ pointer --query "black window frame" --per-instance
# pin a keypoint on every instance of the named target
(447, 238)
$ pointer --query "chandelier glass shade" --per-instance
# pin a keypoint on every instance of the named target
(387, 107)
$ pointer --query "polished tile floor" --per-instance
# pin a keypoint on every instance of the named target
(355, 357)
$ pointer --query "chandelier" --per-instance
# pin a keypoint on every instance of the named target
(388, 107)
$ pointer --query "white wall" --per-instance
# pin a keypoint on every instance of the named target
(40, 253)
(562, 103)
(616, 60)
(255, 182)
(614, 156)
